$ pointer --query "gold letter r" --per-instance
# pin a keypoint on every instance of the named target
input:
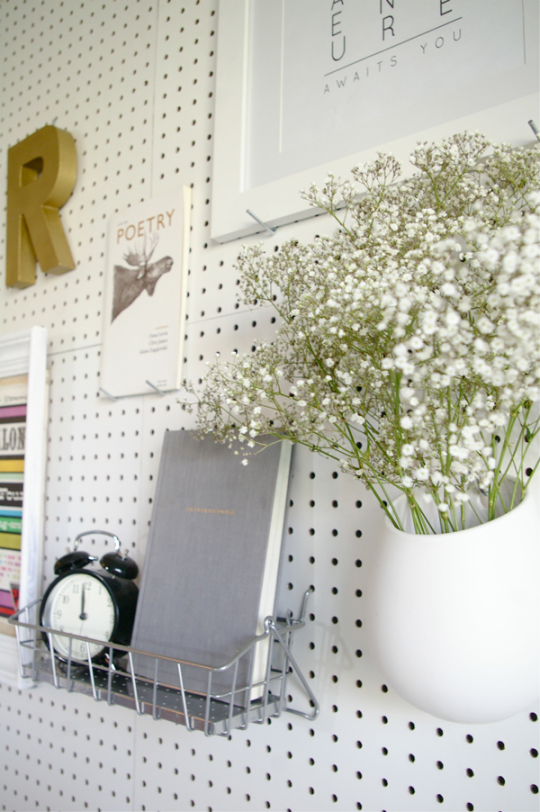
(42, 171)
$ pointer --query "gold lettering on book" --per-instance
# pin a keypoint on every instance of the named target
(143, 227)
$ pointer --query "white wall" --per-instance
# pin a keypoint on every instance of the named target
(134, 83)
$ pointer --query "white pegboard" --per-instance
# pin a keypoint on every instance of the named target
(134, 82)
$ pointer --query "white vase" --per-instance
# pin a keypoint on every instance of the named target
(452, 621)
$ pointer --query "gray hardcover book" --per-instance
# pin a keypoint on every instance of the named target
(213, 559)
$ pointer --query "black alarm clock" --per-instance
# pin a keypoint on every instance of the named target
(92, 601)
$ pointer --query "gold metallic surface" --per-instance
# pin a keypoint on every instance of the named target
(42, 171)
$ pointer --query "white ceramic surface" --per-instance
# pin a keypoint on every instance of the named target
(452, 620)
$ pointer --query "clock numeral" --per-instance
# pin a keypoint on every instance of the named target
(65, 598)
(75, 589)
(58, 613)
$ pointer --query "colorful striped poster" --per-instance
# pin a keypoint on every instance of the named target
(10, 574)
(12, 446)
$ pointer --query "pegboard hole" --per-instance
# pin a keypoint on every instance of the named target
(500, 745)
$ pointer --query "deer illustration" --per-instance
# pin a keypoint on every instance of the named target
(130, 282)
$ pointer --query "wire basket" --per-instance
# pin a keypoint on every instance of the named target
(113, 678)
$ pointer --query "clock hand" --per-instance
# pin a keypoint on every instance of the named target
(83, 615)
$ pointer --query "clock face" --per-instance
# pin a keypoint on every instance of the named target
(79, 604)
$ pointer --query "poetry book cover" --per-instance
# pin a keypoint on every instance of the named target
(145, 294)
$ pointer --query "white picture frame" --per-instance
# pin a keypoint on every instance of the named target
(501, 109)
(25, 353)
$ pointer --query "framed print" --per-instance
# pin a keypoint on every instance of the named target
(13, 410)
(23, 422)
(307, 87)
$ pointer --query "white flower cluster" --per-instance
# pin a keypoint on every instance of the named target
(477, 321)
(408, 346)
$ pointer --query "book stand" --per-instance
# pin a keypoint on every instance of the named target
(114, 680)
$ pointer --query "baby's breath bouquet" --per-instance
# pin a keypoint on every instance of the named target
(406, 344)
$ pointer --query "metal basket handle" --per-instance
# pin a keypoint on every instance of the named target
(117, 543)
